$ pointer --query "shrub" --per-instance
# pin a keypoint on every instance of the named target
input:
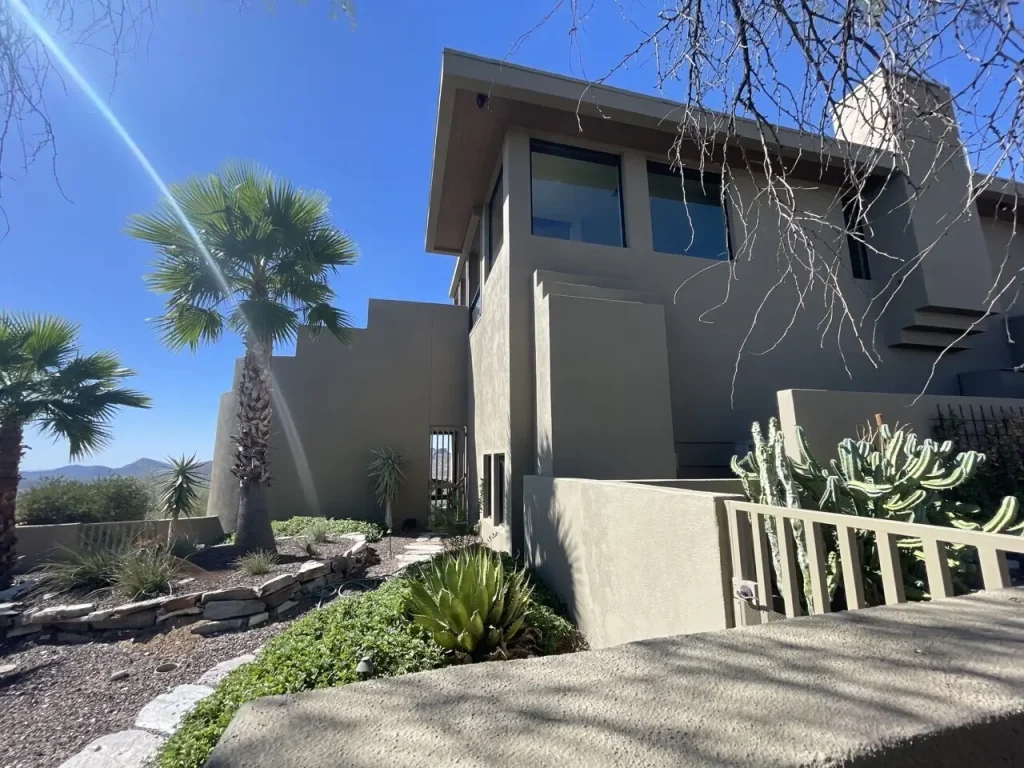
(470, 604)
(58, 500)
(297, 526)
(145, 573)
(87, 569)
(320, 650)
(257, 563)
(318, 531)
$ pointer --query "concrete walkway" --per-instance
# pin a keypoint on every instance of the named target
(422, 548)
(936, 684)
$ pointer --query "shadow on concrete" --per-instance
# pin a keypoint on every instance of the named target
(939, 685)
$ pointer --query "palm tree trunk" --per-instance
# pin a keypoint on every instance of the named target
(253, 531)
(170, 531)
(11, 450)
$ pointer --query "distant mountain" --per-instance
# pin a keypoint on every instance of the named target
(143, 469)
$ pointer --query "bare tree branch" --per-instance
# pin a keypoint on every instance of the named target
(748, 73)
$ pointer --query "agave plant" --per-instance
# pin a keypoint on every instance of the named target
(386, 470)
(469, 604)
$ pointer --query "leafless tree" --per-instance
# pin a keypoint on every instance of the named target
(120, 29)
(747, 73)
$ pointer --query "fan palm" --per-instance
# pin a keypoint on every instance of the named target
(179, 490)
(46, 382)
(243, 250)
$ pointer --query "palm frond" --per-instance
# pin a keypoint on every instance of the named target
(325, 317)
(269, 322)
(188, 325)
(255, 255)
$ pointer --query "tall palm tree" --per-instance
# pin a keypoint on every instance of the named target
(47, 382)
(244, 250)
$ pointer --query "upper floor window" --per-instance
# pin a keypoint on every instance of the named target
(855, 240)
(687, 216)
(458, 298)
(576, 194)
(495, 224)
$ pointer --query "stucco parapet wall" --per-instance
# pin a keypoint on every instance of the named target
(937, 684)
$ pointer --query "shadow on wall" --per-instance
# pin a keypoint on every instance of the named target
(937, 685)
(548, 545)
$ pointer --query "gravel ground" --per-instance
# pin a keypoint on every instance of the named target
(58, 698)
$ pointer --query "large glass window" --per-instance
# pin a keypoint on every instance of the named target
(495, 224)
(575, 194)
(687, 216)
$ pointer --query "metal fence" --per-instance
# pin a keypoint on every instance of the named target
(759, 587)
(996, 431)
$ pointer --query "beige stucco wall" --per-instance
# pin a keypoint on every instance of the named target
(1005, 246)
(714, 397)
(604, 409)
(37, 544)
(828, 417)
(333, 405)
(631, 561)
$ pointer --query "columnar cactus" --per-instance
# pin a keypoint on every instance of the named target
(766, 475)
(894, 475)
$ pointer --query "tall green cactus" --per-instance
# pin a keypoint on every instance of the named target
(891, 474)
(767, 478)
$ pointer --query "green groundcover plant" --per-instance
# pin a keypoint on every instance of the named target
(299, 525)
(322, 649)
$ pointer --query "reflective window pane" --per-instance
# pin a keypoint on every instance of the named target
(575, 194)
(687, 216)
(495, 223)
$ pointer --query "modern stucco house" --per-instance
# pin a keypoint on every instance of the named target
(587, 335)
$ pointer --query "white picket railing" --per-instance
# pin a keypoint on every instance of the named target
(752, 557)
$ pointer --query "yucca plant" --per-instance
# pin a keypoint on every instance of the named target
(179, 490)
(386, 470)
(469, 605)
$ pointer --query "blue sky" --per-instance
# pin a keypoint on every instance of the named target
(347, 109)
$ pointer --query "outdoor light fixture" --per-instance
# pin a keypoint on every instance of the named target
(365, 667)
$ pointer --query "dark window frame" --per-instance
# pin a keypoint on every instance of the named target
(690, 174)
(475, 309)
(587, 155)
(486, 511)
(497, 195)
(860, 264)
(498, 478)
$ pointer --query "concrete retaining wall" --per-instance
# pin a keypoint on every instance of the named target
(631, 560)
(39, 543)
(829, 416)
(923, 684)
